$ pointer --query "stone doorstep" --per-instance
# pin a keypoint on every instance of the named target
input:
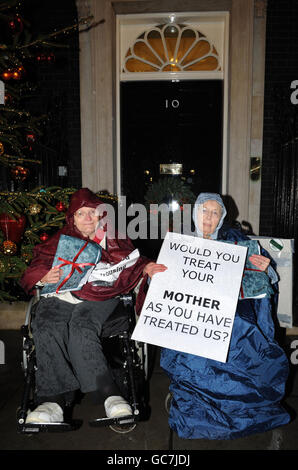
(292, 331)
(12, 315)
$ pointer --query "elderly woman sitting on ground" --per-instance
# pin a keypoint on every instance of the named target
(215, 400)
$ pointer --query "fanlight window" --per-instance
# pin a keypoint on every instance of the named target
(171, 48)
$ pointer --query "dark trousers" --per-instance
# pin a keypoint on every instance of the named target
(69, 353)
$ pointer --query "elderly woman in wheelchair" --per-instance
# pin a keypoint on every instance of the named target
(67, 326)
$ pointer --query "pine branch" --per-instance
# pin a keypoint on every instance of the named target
(8, 5)
(44, 40)
(9, 160)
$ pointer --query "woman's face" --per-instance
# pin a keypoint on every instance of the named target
(209, 215)
(86, 220)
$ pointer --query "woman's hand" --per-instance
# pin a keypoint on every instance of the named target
(153, 268)
(261, 262)
(52, 276)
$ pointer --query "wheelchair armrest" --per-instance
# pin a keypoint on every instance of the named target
(37, 291)
(34, 299)
(28, 311)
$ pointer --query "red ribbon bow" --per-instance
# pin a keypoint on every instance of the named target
(75, 266)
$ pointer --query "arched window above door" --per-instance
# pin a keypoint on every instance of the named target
(171, 48)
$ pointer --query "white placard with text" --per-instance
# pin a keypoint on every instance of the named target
(190, 307)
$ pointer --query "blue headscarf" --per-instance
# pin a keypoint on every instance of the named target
(201, 199)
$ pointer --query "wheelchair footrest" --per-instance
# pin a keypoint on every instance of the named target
(49, 427)
(124, 420)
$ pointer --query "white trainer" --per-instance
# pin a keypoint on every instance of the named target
(116, 407)
(46, 413)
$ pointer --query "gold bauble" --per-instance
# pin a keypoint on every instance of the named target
(19, 173)
(9, 247)
(1, 148)
(27, 257)
(35, 209)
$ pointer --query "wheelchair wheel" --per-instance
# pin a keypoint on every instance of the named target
(149, 359)
(124, 429)
(168, 401)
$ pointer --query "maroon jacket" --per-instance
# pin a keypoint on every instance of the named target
(116, 250)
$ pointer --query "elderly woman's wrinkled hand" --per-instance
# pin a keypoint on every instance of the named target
(52, 276)
(153, 268)
(261, 262)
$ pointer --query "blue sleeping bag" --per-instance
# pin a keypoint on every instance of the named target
(215, 400)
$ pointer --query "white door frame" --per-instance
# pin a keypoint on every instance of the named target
(192, 19)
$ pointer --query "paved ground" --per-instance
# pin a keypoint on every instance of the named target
(151, 435)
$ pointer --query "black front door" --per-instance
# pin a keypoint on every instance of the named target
(171, 122)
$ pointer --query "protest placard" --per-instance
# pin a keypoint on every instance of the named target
(190, 307)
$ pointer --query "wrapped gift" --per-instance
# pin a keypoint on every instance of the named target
(255, 283)
(77, 259)
(282, 252)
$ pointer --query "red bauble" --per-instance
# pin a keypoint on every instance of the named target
(41, 57)
(51, 58)
(30, 137)
(46, 58)
(60, 206)
(13, 229)
(43, 237)
(16, 25)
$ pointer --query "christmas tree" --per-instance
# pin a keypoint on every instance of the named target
(26, 217)
(18, 128)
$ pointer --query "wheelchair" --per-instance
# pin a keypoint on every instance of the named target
(131, 364)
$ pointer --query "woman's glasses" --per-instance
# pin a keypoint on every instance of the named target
(81, 214)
